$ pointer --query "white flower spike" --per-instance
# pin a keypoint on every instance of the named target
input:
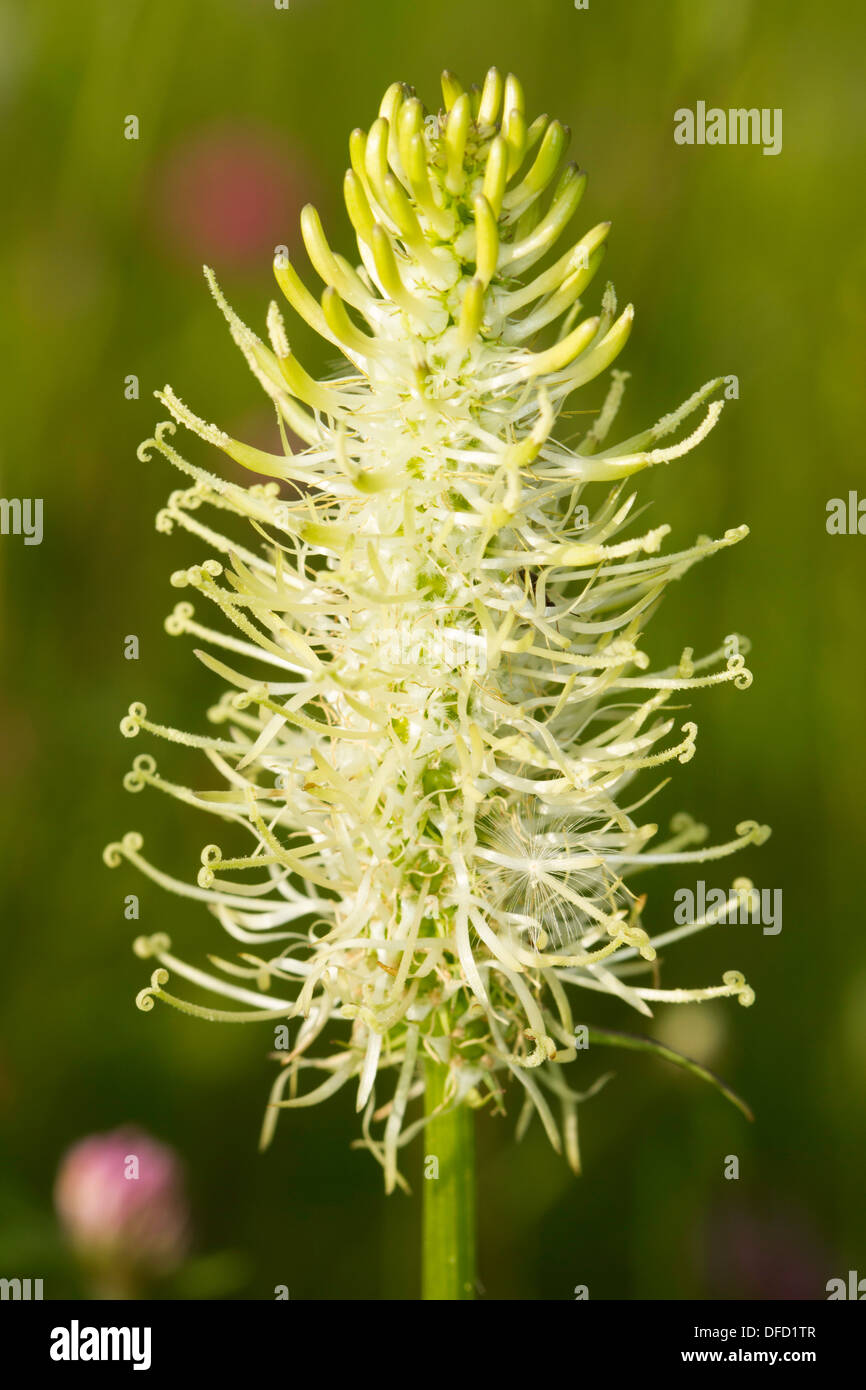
(436, 697)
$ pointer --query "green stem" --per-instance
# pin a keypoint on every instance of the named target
(448, 1259)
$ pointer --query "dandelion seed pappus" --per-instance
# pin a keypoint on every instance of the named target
(545, 875)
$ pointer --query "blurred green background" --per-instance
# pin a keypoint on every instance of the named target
(737, 263)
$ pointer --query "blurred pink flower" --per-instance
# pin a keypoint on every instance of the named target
(229, 195)
(768, 1253)
(121, 1200)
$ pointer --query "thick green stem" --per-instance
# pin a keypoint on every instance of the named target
(449, 1196)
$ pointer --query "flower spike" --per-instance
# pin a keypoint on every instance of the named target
(435, 696)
